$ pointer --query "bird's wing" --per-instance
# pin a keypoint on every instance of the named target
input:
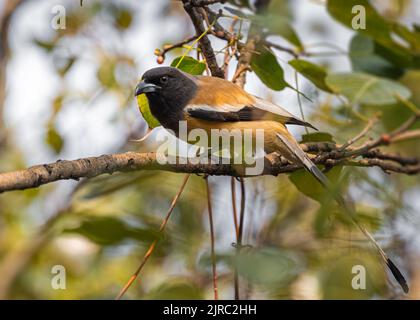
(221, 100)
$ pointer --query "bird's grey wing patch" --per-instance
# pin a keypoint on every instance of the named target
(257, 111)
(284, 115)
(224, 113)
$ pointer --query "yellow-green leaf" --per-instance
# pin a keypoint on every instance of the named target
(54, 139)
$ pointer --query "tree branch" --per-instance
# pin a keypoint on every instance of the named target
(161, 54)
(204, 43)
(131, 161)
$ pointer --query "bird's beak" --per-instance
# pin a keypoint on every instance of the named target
(144, 87)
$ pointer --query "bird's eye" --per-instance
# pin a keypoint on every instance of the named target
(164, 80)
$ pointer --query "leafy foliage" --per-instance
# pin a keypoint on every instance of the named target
(266, 67)
(309, 186)
(54, 139)
(312, 72)
(299, 248)
(367, 89)
(189, 65)
(269, 267)
(111, 231)
(365, 58)
(379, 29)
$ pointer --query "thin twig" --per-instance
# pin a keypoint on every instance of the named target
(235, 221)
(281, 48)
(153, 245)
(234, 209)
(369, 125)
(408, 135)
(239, 72)
(213, 254)
(240, 236)
(244, 63)
(242, 213)
(386, 139)
(161, 54)
(236, 282)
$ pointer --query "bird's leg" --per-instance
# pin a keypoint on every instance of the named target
(207, 151)
(203, 153)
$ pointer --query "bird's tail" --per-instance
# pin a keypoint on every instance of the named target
(294, 148)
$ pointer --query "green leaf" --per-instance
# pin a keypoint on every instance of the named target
(144, 108)
(310, 187)
(106, 73)
(376, 26)
(176, 289)
(54, 139)
(366, 89)
(123, 18)
(279, 25)
(189, 65)
(365, 58)
(323, 222)
(369, 217)
(111, 231)
(267, 68)
(314, 73)
(337, 277)
(411, 80)
(267, 266)
(280, 7)
(317, 137)
(397, 55)
(46, 45)
(393, 116)
(57, 103)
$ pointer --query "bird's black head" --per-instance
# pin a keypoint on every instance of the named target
(168, 91)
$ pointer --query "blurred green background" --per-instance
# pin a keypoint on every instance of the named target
(68, 93)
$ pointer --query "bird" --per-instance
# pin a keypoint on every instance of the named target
(211, 103)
